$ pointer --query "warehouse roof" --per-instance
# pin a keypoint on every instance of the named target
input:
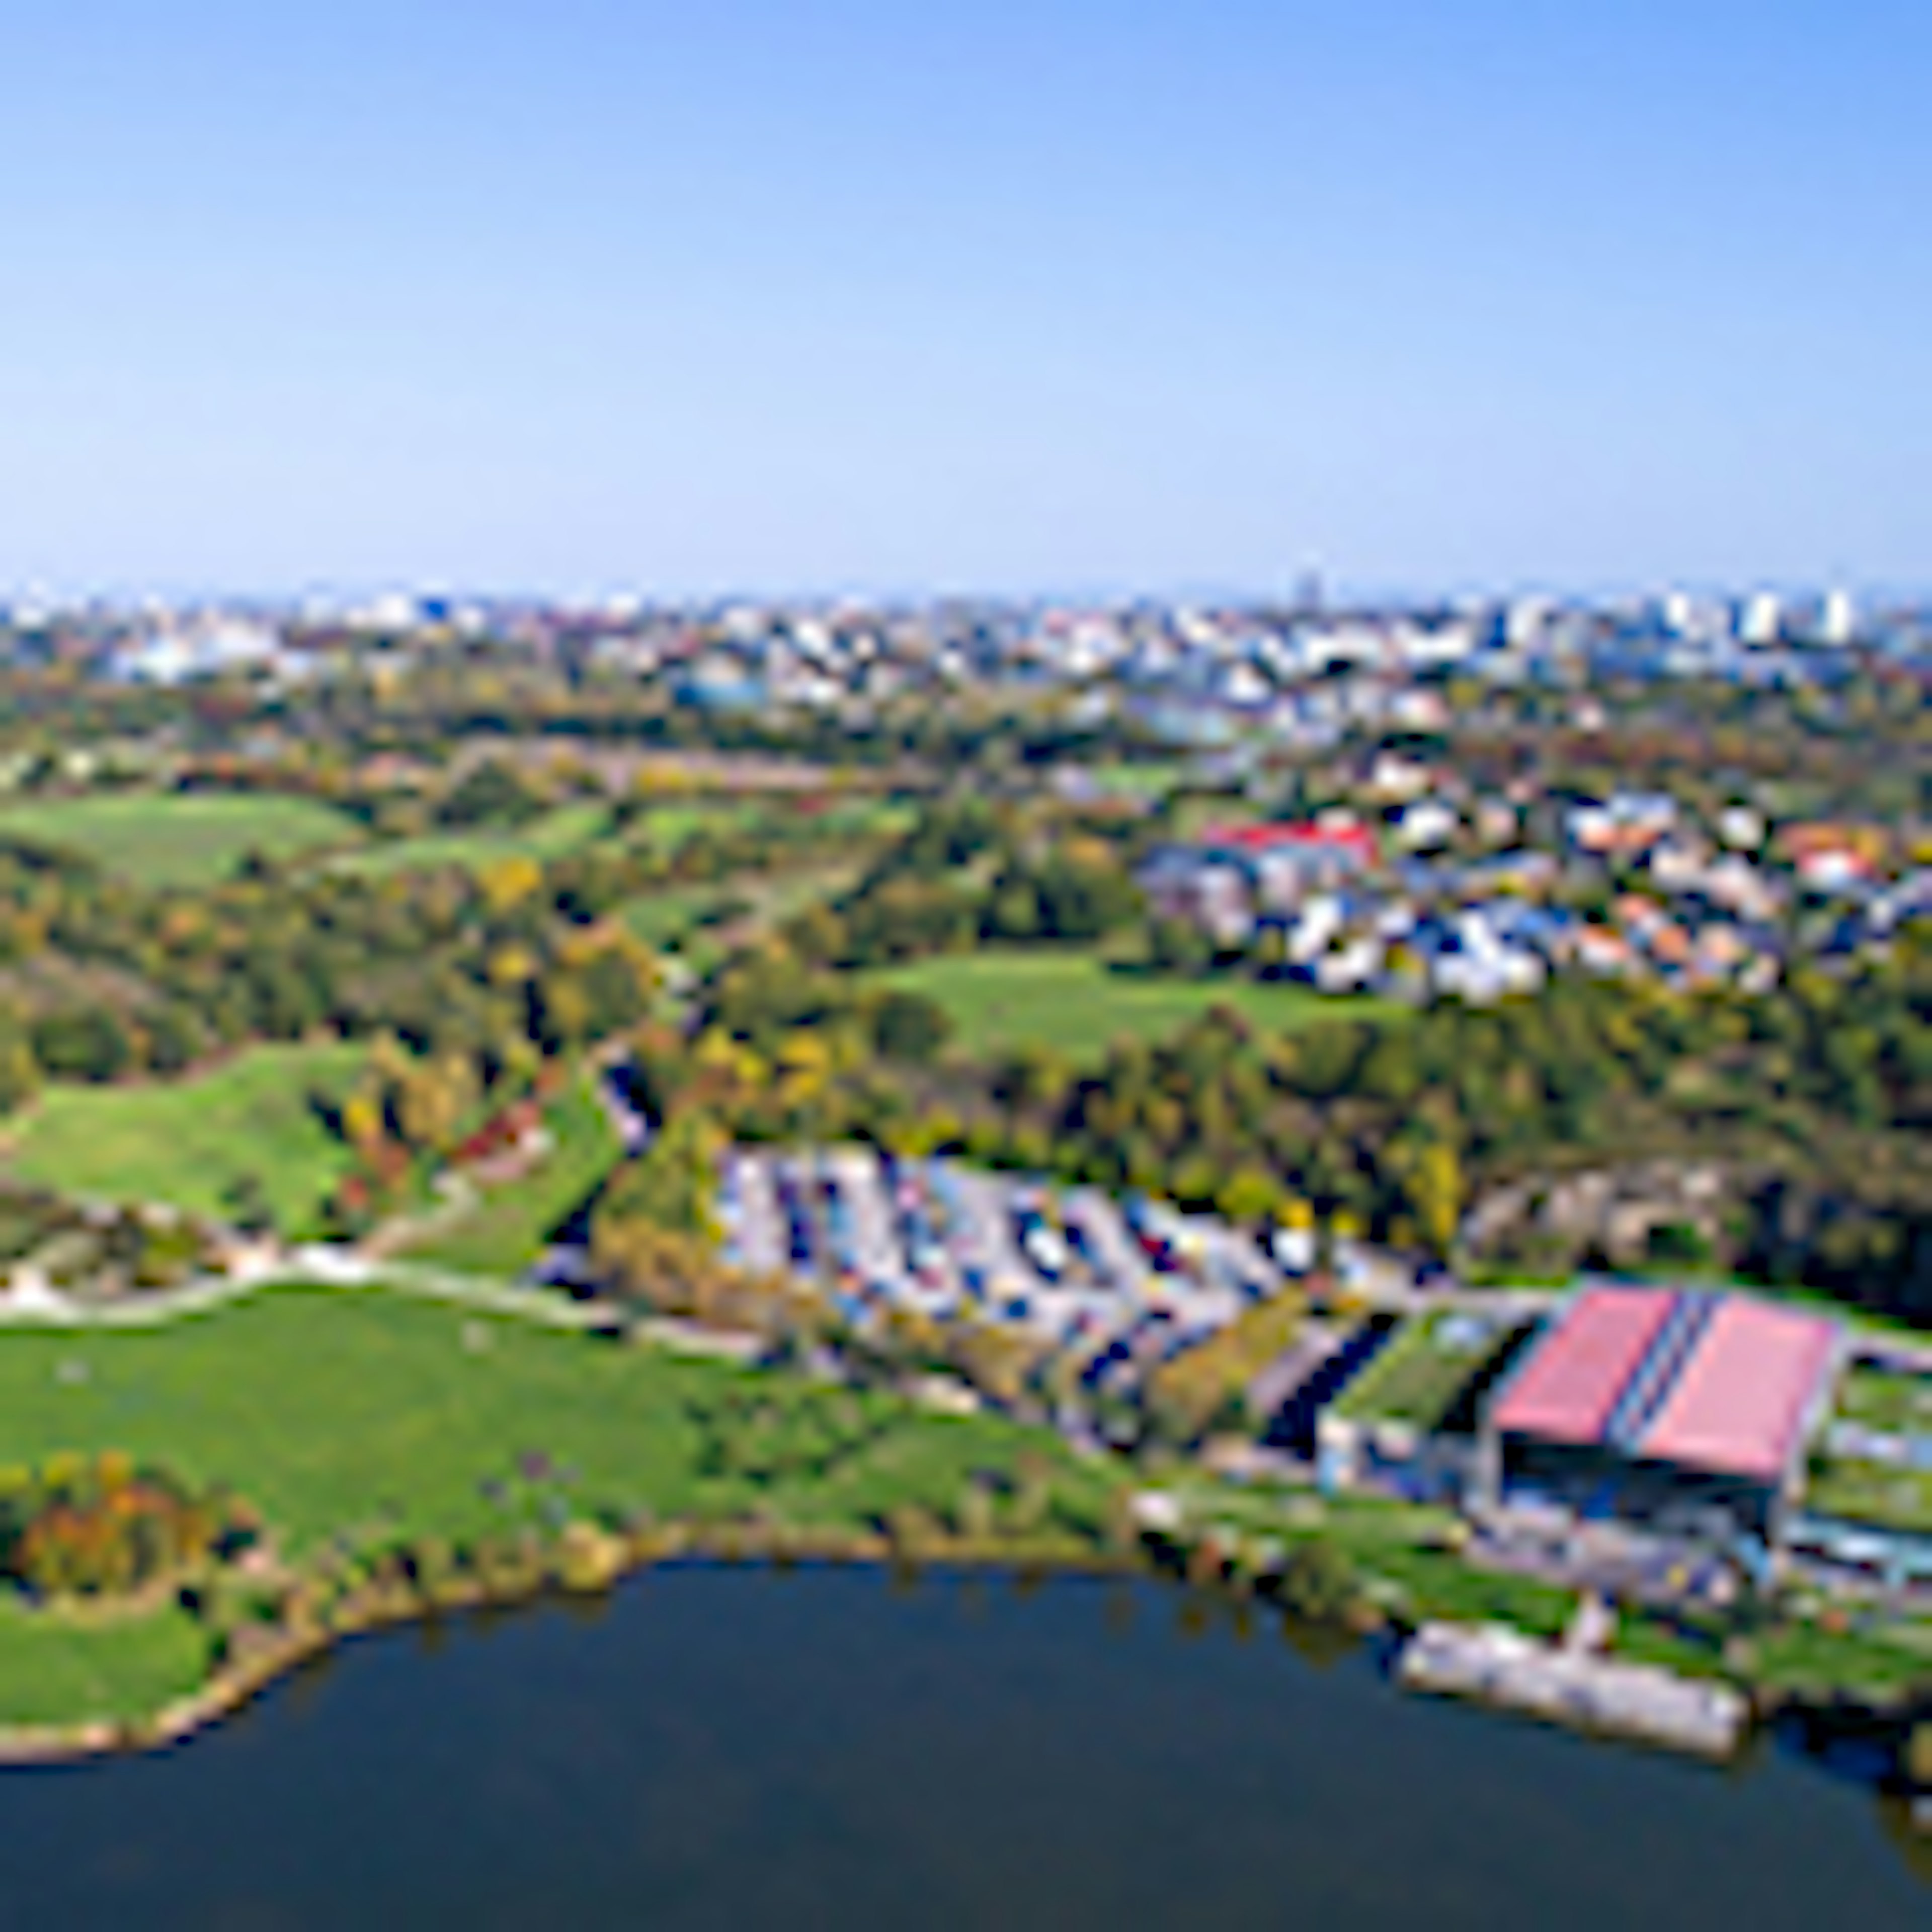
(1567, 1389)
(1739, 1403)
(1722, 1383)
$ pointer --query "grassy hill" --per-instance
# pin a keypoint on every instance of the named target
(190, 838)
(188, 1142)
(368, 1414)
(1074, 1001)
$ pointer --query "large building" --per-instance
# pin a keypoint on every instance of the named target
(1685, 1413)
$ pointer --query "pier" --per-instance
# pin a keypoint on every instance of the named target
(1570, 1685)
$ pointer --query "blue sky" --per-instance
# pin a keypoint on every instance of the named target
(1434, 294)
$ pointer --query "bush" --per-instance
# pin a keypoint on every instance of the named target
(103, 1526)
(910, 1026)
(1319, 1583)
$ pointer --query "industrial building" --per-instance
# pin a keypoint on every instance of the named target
(1683, 1413)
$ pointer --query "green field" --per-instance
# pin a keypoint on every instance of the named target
(666, 826)
(55, 1669)
(1393, 1544)
(1872, 1493)
(565, 829)
(1073, 1001)
(189, 1141)
(187, 839)
(362, 1419)
(1902, 1404)
(1418, 1374)
(668, 915)
(678, 915)
(369, 1414)
(506, 1231)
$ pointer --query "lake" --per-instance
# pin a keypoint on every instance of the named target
(713, 1747)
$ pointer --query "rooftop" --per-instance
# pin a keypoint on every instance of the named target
(1567, 1388)
(1721, 1383)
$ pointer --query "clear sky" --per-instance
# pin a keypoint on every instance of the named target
(573, 294)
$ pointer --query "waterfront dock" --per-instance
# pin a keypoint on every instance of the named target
(1495, 1665)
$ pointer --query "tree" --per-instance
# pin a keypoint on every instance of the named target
(82, 1043)
(491, 793)
(1433, 1185)
(673, 1185)
(18, 1074)
(910, 1026)
(1249, 1194)
(248, 1203)
(1319, 1583)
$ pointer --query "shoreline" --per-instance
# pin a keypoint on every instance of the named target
(586, 1563)
(593, 1570)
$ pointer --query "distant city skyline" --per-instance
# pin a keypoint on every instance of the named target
(1060, 299)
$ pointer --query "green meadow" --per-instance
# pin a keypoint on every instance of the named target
(566, 829)
(369, 1415)
(507, 1229)
(54, 1668)
(177, 838)
(189, 1142)
(1076, 1002)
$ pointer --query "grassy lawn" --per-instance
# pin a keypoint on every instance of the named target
(55, 1669)
(1399, 1544)
(1874, 1493)
(1900, 1404)
(549, 837)
(1416, 1377)
(665, 827)
(368, 1414)
(361, 1418)
(676, 915)
(187, 1142)
(507, 1230)
(670, 914)
(177, 838)
(1073, 1001)
(1804, 1658)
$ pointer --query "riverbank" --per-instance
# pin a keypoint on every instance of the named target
(584, 1560)
(419, 1446)
(721, 1742)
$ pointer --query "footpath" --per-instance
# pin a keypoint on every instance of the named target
(35, 1303)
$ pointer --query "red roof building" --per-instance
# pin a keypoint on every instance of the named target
(1740, 1401)
(1671, 1406)
(1566, 1391)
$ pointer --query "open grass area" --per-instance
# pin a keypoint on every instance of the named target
(1416, 1377)
(507, 1228)
(565, 829)
(1073, 1000)
(1900, 1404)
(665, 827)
(55, 1669)
(679, 916)
(669, 915)
(1803, 1657)
(187, 838)
(363, 1419)
(368, 1414)
(1875, 1492)
(1406, 1546)
(189, 1142)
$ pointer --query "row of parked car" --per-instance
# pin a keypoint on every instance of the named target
(1121, 1282)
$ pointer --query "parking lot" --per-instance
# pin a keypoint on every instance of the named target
(1121, 1285)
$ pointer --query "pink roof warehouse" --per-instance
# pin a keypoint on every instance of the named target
(1567, 1389)
(1717, 1392)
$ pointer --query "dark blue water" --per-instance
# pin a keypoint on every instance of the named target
(736, 1748)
